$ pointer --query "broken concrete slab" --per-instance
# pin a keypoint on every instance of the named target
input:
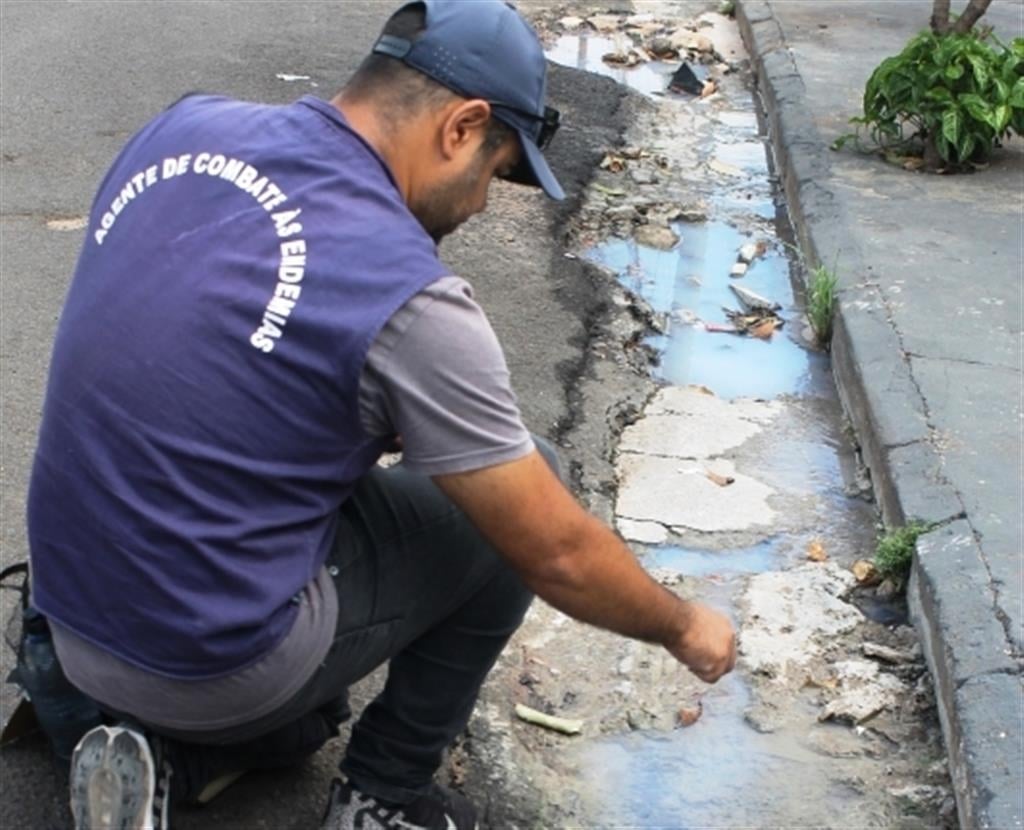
(790, 616)
(679, 494)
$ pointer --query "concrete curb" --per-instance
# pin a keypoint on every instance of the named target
(951, 600)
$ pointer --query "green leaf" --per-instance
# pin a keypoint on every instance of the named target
(966, 146)
(952, 125)
(1001, 119)
(1017, 94)
(954, 72)
(975, 106)
(979, 69)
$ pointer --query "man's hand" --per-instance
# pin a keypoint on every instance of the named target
(577, 564)
(708, 645)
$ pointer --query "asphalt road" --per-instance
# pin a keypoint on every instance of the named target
(78, 78)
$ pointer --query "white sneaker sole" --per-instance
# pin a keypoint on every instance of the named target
(113, 780)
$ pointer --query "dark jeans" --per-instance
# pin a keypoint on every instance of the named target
(417, 585)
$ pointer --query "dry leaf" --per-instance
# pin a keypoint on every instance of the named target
(765, 329)
(689, 715)
(865, 572)
(816, 551)
(613, 163)
(720, 480)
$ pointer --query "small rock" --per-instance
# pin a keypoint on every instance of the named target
(570, 22)
(748, 253)
(657, 236)
(662, 47)
(887, 590)
(689, 715)
(919, 796)
(762, 718)
(739, 269)
(693, 213)
(605, 23)
(641, 175)
(888, 655)
(626, 213)
(625, 666)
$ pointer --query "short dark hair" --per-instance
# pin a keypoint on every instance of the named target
(403, 91)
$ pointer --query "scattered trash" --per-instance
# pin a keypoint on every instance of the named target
(570, 23)
(720, 480)
(284, 76)
(758, 324)
(749, 252)
(75, 223)
(567, 726)
(739, 269)
(865, 572)
(617, 192)
(721, 328)
(709, 89)
(725, 169)
(629, 57)
(689, 715)
(613, 163)
(816, 551)
(752, 301)
(888, 655)
(686, 80)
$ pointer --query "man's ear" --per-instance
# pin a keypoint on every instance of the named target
(464, 126)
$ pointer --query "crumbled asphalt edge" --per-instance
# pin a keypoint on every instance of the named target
(489, 764)
(893, 426)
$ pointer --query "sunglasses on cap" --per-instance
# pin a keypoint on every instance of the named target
(550, 121)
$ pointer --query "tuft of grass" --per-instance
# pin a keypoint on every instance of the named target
(727, 7)
(822, 286)
(895, 552)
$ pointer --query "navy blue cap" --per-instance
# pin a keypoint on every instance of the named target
(484, 49)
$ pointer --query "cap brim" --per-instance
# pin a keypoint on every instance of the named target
(533, 169)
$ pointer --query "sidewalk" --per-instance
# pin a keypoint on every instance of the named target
(927, 355)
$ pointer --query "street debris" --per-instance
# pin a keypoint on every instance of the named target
(865, 572)
(751, 251)
(613, 163)
(626, 57)
(75, 223)
(684, 79)
(720, 480)
(752, 301)
(725, 169)
(865, 693)
(567, 726)
(816, 551)
(894, 656)
(689, 715)
(284, 76)
(761, 324)
(739, 269)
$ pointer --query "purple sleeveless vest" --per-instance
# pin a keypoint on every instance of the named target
(201, 424)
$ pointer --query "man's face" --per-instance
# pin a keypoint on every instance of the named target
(463, 194)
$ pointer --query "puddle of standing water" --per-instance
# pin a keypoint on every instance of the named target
(719, 772)
(587, 52)
(697, 563)
(691, 285)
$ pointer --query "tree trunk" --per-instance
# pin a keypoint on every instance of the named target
(975, 9)
(940, 17)
(932, 160)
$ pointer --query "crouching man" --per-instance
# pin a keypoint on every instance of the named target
(258, 312)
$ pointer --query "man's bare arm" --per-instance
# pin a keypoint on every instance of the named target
(578, 565)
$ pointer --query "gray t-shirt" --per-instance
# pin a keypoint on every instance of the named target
(435, 375)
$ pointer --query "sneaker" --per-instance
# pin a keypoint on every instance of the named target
(119, 780)
(437, 809)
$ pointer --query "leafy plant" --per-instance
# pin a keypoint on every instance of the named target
(895, 552)
(821, 301)
(953, 97)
